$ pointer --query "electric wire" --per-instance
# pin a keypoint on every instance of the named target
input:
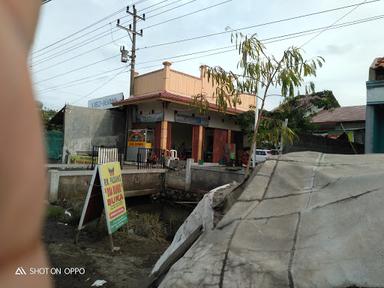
(90, 40)
(268, 40)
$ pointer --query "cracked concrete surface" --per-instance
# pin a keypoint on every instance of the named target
(305, 220)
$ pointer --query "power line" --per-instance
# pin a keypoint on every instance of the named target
(77, 69)
(186, 54)
(99, 87)
(82, 80)
(201, 36)
(255, 26)
(269, 40)
(85, 28)
(170, 9)
(72, 40)
(334, 23)
(93, 39)
(265, 40)
(97, 22)
(188, 14)
(273, 39)
(158, 8)
(79, 31)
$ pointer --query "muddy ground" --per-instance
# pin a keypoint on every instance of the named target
(129, 267)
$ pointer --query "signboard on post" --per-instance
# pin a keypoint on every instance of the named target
(113, 195)
(105, 192)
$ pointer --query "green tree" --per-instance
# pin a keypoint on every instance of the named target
(270, 131)
(261, 72)
(46, 114)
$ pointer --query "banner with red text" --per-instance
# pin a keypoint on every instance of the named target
(113, 195)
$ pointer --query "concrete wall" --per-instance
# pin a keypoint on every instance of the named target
(322, 144)
(183, 84)
(150, 83)
(204, 179)
(86, 127)
(72, 186)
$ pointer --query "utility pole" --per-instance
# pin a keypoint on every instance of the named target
(132, 30)
(285, 125)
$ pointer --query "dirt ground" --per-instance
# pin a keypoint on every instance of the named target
(128, 267)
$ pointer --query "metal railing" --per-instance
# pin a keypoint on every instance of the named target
(101, 155)
(148, 158)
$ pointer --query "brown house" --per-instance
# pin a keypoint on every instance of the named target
(162, 103)
(348, 120)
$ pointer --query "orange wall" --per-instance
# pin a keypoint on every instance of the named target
(179, 83)
(150, 83)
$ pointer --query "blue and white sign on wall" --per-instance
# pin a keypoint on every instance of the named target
(105, 102)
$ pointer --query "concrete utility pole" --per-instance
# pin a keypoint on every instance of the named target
(131, 29)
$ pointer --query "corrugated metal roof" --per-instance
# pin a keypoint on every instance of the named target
(342, 114)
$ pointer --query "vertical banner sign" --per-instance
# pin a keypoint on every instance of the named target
(113, 195)
(105, 192)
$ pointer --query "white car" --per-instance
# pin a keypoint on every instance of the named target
(262, 155)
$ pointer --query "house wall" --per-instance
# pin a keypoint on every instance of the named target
(217, 119)
(186, 85)
(150, 83)
(87, 127)
(374, 129)
(183, 84)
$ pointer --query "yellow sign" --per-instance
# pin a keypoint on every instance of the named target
(139, 144)
(113, 195)
(136, 144)
(80, 159)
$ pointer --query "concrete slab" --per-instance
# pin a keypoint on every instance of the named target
(345, 187)
(291, 178)
(202, 265)
(258, 185)
(279, 206)
(325, 229)
(256, 190)
(238, 211)
(341, 245)
(261, 263)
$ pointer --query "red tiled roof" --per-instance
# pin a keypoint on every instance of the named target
(342, 114)
(169, 97)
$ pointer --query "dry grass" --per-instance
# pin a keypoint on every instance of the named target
(146, 225)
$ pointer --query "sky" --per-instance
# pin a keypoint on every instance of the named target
(75, 59)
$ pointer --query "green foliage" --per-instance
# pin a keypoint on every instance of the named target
(46, 115)
(270, 130)
(260, 72)
(325, 99)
